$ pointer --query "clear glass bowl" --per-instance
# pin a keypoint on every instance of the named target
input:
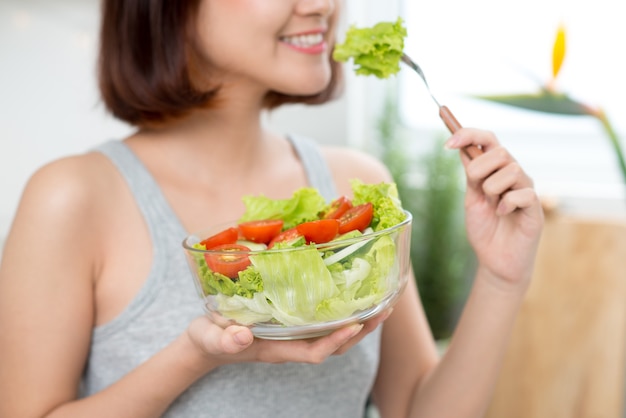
(306, 291)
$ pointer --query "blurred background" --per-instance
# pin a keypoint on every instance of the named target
(49, 107)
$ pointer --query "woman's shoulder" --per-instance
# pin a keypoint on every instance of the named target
(68, 188)
(347, 163)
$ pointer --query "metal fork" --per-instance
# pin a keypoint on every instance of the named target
(445, 114)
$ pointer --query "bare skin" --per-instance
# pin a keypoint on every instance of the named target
(78, 251)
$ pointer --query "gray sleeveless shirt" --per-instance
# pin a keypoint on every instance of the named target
(168, 302)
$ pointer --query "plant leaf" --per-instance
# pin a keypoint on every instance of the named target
(544, 101)
(558, 50)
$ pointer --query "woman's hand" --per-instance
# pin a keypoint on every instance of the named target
(503, 213)
(235, 344)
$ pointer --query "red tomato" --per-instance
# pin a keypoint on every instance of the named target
(319, 231)
(227, 236)
(261, 231)
(359, 217)
(287, 235)
(338, 207)
(229, 261)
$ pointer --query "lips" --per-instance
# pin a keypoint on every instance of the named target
(305, 40)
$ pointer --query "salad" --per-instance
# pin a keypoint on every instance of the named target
(301, 260)
(376, 50)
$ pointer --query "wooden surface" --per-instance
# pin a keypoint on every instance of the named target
(566, 358)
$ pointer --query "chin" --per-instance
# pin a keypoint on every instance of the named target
(302, 80)
(308, 92)
(307, 86)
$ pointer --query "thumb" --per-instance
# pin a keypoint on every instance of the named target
(213, 339)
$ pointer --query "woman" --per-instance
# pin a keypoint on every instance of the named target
(97, 310)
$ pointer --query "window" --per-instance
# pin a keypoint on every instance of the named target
(491, 47)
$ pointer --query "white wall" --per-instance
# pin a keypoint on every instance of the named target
(49, 104)
(48, 100)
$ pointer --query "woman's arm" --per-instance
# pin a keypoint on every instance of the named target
(47, 279)
(504, 221)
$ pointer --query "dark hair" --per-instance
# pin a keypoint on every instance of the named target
(145, 63)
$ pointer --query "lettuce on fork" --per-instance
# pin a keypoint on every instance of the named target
(374, 51)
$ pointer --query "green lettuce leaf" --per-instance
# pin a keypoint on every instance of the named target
(385, 199)
(332, 309)
(374, 51)
(244, 310)
(249, 282)
(381, 256)
(295, 282)
(362, 281)
(304, 205)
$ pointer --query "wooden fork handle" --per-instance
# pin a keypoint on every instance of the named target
(453, 125)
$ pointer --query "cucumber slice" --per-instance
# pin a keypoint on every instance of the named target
(341, 254)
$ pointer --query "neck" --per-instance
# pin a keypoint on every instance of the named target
(211, 142)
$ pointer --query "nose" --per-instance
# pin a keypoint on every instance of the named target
(316, 7)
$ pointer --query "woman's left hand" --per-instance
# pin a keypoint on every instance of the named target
(504, 217)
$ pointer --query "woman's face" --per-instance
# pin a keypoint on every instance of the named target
(280, 45)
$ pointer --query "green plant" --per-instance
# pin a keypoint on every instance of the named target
(550, 100)
(440, 253)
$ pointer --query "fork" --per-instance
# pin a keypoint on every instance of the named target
(445, 114)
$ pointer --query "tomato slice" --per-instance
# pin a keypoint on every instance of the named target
(228, 259)
(319, 231)
(227, 236)
(288, 235)
(358, 217)
(262, 231)
(338, 207)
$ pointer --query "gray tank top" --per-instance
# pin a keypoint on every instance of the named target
(168, 302)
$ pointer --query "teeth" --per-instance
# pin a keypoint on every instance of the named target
(304, 41)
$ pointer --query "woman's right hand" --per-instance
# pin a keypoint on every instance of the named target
(235, 343)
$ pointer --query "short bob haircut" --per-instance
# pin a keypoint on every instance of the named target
(144, 65)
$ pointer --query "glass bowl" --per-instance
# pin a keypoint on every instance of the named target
(306, 291)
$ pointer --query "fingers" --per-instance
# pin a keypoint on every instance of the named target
(494, 175)
(336, 343)
(236, 343)
(469, 136)
(368, 327)
(317, 350)
(517, 199)
(505, 176)
(215, 340)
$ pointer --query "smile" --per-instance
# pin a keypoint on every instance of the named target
(304, 41)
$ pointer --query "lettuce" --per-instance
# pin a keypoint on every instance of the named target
(376, 50)
(362, 280)
(304, 205)
(295, 282)
(388, 210)
(244, 310)
(381, 256)
(249, 282)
